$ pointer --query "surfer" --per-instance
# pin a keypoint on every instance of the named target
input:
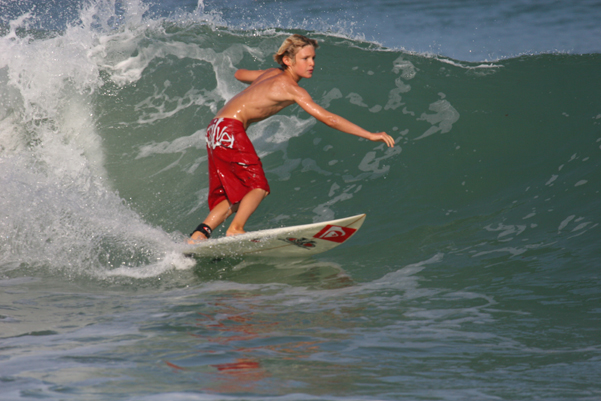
(237, 183)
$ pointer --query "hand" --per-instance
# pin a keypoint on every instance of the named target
(382, 137)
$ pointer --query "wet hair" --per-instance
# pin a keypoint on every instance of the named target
(291, 46)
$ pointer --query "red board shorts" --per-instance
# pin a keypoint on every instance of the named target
(234, 167)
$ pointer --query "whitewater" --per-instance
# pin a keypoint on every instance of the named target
(474, 277)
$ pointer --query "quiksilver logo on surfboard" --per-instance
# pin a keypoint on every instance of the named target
(335, 233)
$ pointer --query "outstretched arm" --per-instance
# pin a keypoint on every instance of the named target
(305, 101)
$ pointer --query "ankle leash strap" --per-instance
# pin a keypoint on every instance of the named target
(205, 229)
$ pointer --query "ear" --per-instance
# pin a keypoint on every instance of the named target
(287, 61)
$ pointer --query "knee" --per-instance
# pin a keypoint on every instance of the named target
(260, 192)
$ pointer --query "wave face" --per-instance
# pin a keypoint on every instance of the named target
(481, 240)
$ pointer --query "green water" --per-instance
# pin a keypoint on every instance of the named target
(475, 275)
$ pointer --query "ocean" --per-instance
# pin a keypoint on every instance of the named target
(476, 275)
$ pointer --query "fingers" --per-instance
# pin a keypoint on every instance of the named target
(387, 139)
(382, 137)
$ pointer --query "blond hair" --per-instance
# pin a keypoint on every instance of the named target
(291, 46)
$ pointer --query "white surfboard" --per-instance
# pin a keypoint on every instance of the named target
(285, 242)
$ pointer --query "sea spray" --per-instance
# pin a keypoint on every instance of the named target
(60, 210)
(475, 275)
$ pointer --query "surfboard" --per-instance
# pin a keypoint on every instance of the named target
(284, 242)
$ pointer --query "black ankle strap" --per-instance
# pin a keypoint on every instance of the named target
(205, 229)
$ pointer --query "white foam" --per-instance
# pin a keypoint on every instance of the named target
(178, 145)
(170, 261)
(57, 210)
(443, 119)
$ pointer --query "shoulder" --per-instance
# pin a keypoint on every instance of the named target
(294, 89)
(279, 81)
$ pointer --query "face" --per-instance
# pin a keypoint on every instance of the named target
(304, 62)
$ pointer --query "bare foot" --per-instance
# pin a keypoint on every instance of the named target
(196, 238)
(232, 231)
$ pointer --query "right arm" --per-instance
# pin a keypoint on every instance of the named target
(248, 76)
(304, 100)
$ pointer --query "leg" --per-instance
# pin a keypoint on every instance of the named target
(246, 207)
(222, 211)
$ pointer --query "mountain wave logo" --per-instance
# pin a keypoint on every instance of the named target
(335, 233)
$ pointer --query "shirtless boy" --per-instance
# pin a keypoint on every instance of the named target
(237, 183)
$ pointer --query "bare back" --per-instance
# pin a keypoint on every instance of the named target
(267, 95)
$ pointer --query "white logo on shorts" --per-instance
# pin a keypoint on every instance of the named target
(217, 136)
